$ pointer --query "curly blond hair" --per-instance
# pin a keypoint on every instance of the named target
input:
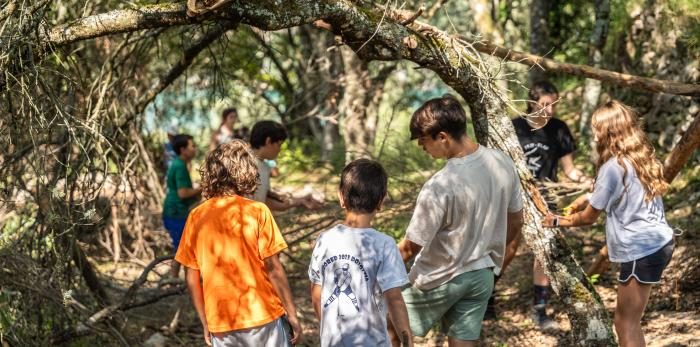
(619, 134)
(230, 169)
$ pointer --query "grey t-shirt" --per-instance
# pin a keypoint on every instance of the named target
(634, 228)
(354, 267)
(264, 171)
(461, 217)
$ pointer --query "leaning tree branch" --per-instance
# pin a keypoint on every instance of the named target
(121, 21)
(620, 79)
(682, 151)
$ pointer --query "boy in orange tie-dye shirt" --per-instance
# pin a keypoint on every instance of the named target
(232, 243)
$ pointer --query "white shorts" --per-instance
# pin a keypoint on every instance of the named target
(273, 334)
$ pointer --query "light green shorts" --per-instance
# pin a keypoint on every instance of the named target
(459, 305)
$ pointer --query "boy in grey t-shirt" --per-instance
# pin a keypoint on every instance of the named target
(463, 217)
(356, 272)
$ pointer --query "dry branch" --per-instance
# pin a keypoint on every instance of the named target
(121, 21)
(612, 77)
(682, 150)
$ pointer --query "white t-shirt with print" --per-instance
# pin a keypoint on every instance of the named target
(354, 267)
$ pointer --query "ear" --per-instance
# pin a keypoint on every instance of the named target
(268, 141)
(442, 136)
(341, 200)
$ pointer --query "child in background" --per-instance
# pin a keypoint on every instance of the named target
(356, 272)
(629, 186)
(267, 138)
(232, 243)
(181, 195)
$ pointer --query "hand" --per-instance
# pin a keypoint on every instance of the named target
(207, 334)
(578, 205)
(568, 210)
(311, 203)
(297, 334)
(548, 221)
(588, 181)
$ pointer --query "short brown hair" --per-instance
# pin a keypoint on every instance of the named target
(230, 169)
(363, 185)
(439, 114)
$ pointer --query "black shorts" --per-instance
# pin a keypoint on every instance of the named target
(647, 269)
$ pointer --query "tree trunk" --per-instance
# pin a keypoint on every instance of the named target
(320, 73)
(592, 87)
(490, 30)
(539, 36)
(359, 105)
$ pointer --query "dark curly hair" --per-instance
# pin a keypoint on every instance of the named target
(230, 169)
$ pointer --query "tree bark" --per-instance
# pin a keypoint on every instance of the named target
(359, 105)
(488, 28)
(539, 36)
(682, 151)
(592, 87)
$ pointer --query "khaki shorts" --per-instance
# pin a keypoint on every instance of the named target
(459, 305)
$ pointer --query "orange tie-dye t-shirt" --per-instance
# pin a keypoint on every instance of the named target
(227, 240)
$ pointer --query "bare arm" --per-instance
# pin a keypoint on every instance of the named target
(408, 249)
(195, 287)
(186, 193)
(574, 174)
(398, 315)
(586, 217)
(316, 299)
(278, 277)
(514, 226)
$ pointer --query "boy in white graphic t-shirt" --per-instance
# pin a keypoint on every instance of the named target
(357, 272)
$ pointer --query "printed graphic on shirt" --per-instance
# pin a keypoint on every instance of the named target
(533, 153)
(343, 285)
(343, 295)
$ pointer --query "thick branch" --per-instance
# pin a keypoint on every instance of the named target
(616, 78)
(683, 150)
(121, 21)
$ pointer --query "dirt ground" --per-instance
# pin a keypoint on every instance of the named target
(672, 317)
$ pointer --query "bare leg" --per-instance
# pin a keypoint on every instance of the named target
(453, 342)
(632, 298)
(538, 276)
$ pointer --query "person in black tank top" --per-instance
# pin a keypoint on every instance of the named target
(547, 144)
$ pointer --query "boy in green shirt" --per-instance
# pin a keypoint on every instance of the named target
(181, 195)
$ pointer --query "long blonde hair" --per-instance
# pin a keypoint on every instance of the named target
(619, 134)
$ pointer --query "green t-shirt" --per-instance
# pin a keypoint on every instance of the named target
(178, 177)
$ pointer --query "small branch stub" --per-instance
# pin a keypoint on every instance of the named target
(410, 42)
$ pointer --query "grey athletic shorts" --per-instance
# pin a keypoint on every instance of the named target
(274, 334)
(647, 269)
